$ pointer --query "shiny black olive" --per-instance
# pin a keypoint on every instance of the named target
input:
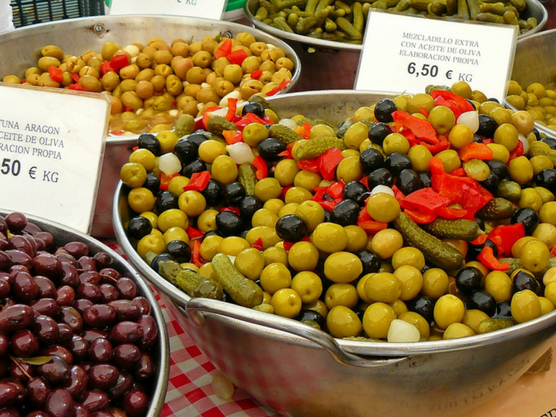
(233, 194)
(371, 159)
(408, 181)
(468, 279)
(492, 182)
(524, 281)
(503, 310)
(536, 132)
(370, 260)
(528, 217)
(269, 149)
(499, 168)
(327, 215)
(252, 107)
(163, 257)
(138, 227)
(213, 193)
(487, 126)
(355, 191)
(550, 141)
(214, 232)
(229, 223)
(311, 315)
(481, 223)
(194, 166)
(291, 228)
(474, 250)
(396, 162)
(380, 176)
(152, 182)
(477, 138)
(165, 201)
(472, 103)
(150, 142)
(481, 300)
(197, 138)
(425, 178)
(186, 150)
(248, 206)
(345, 213)
(180, 250)
(383, 110)
(378, 132)
(422, 305)
(547, 179)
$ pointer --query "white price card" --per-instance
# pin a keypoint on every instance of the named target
(51, 152)
(208, 9)
(407, 53)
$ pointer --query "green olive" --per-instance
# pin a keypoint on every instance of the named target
(377, 319)
(329, 237)
(274, 277)
(312, 214)
(447, 310)
(307, 179)
(383, 207)
(521, 170)
(506, 134)
(420, 157)
(341, 294)
(342, 267)
(383, 286)
(303, 256)
(419, 101)
(442, 119)
(525, 306)
(349, 169)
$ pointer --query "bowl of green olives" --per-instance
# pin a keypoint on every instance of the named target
(153, 68)
(363, 242)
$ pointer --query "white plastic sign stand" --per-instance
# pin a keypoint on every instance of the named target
(208, 9)
(51, 152)
(411, 52)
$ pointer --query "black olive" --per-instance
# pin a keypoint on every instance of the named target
(492, 182)
(528, 217)
(493, 99)
(138, 227)
(345, 213)
(380, 176)
(425, 178)
(194, 166)
(152, 182)
(378, 132)
(213, 193)
(269, 149)
(477, 138)
(481, 300)
(229, 223)
(248, 206)
(197, 138)
(214, 232)
(487, 126)
(422, 305)
(550, 141)
(524, 281)
(474, 250)
(536, 132)
(327, 216)
(499, 168)
(291, 228)
(408, 181)
(481, 223)
(159, 258)
(468, 279)
(355, 191)
(233, 194)
(547, 179)
(311, 315)
(371, 159)
(383, 110)
(180, 250)
(370, 260)
(472, 104)
(186, 150)
(166, 201)
(396, 162)
(252, 107)
(150, 142)
(503, 310)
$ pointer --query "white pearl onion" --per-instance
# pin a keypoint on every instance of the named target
(471, 119)
(382, 189)
(525, 143)
(169, 164)
(402, 331)
(289, 123)
(222, 386)
(240, 152)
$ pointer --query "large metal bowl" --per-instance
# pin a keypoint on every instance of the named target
(301, 371)
(161, 350)
(20, 49)
(333, 65)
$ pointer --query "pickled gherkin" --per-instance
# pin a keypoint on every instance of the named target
(193, 284)
(317, 146)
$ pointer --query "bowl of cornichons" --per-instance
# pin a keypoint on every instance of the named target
(385, 252)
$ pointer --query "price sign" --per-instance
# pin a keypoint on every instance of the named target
(408, 53)
(51, 149)
(208, 9)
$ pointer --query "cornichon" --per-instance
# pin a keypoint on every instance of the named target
(283, 133)
(345, 26)
(515, 264)
(247, 178)
(309, 149)
(217, 124)
(436, 251)
(190, 282)
(184, 125)
(454, 229)
(490, 325)
(510, 190)
(497, 208)
(240, 288)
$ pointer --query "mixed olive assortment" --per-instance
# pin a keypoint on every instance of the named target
(75, 335)
(151, 85)
(537, 98)
(344, 20)
(420, 217)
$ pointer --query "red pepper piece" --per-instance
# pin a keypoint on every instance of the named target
(261, 167)
(419, 216)
(255, 75)
(508, 235)
(335, 190)
(196, 254)
(119, 61)
(75, 76)
(497, 240)
(518, 151)
(422, 129)
(198, 181)
(165, 180)
(232, 136)
(475, 150)
(398, 193)
(309, 165)
(207, 113)
(232, 209)
(487, 258)
(55, 73)
(284, 191)
(328, 205)
(328, 162)
(76, 86)
(248, 119)
(319, 193)
(480, 240)
(452, 213)
(237, 56)
(224, 49)
(426, 200)
(278, 88)
(462, 104)
(258, 244)
(553, 250)
(372, 226)
(459, 172)
(105, 67)
(287, 154)
(232, 107)
(194, 233)
(437, 147)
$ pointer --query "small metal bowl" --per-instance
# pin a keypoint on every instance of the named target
(161, 351)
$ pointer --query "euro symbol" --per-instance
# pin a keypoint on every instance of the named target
(33, 172)
(449, 75)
